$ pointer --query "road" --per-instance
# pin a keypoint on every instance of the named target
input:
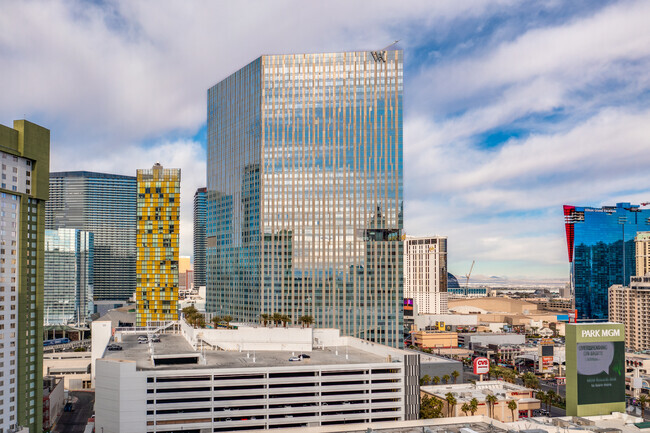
(75, 421)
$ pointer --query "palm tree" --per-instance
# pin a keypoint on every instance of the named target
(264, 318)
(199, 321)
(466, 408)
(491, 400)
(277, 318)
(451, 403)
(430, 408)
(445, 378)
(643, 401)
(552, 397)
(512, 405)
(455, 375)
(435, 380)
(425, 380)
(215, 321)
(541, 396)
(227, 319)
(473, 406)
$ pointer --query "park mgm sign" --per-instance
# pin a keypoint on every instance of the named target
(595, 368)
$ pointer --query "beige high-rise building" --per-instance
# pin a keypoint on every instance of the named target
(642, 241)
(425, 273)
(631, 307)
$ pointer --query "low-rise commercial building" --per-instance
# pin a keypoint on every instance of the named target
(503, 391)
(72, 367)
(217, 380)
(469, 340)
(432, 339)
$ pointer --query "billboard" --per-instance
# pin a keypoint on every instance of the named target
(595, 368)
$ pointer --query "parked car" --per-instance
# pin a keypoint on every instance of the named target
(114, 347)
(143, 341)
(305, 356)
(142, 337)
(155, 340)
(295, 358)
(68, 407)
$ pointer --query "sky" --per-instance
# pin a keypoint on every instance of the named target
(511, 108)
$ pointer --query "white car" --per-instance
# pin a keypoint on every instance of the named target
(295, 358)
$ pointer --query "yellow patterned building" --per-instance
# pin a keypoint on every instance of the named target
(157, 240)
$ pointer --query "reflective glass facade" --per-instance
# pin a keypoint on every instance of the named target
(601, 252)
(305, 191)
(103, 204)
(200, 213)
(68, 289)
(159, 197)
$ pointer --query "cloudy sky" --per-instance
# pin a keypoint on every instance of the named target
(512, 108)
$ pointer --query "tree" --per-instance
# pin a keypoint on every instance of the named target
(425, 380)
(285, 319)
(276, 318)
(512, 405)
(190, 310)
(264, 318)
(306, 320)
(643, 401)
(466, 408)
(430, 408)
(227, 319)
(542, 397)
(530, 380)
(199, 321)
(491, 400)
(455, 375)
(215, 321)
(552, 398)
(445, 378)
(473, 406)
(451, 403)
(435, 380)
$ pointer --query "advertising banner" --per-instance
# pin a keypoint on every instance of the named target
(595, 369)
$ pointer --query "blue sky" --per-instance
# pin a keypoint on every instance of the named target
(512, 108)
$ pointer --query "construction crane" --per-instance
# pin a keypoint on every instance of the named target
(467, 278)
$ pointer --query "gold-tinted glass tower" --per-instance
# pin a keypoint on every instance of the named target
(157, 240)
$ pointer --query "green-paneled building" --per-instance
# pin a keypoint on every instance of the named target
(25, 169)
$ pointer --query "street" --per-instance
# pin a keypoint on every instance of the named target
(75, 422)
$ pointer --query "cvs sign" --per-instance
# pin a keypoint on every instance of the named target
(481, 365)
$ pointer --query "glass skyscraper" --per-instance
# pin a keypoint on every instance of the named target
(159, 199)
(103, 204)
(305, 192)
(601, 252)
(68, 289)
(200, 214)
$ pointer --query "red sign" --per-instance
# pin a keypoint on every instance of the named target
(573, 316)
(481, 365)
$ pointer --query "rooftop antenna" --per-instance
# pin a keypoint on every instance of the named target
(387, 47)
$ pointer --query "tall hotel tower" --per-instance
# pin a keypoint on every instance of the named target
(199, 236)
(25, 158)
(157, 242)
(601, 250)
(305, 192)
(104, 205)
(425, 273)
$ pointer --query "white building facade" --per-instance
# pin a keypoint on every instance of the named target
(344, 381)
(425, 273)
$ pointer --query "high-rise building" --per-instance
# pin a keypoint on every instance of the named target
(200, 213)
(425, 273)
(601, 252)
(157, 241)
(305, 192)
(184, 265)
(631, 307)
(642, 244)
(103, 204)
(68, 288)
(25, 159)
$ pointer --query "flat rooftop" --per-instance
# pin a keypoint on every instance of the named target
(173, 346)
(468, 391)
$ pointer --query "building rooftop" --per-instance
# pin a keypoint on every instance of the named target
(465, 392)
(174, 352)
